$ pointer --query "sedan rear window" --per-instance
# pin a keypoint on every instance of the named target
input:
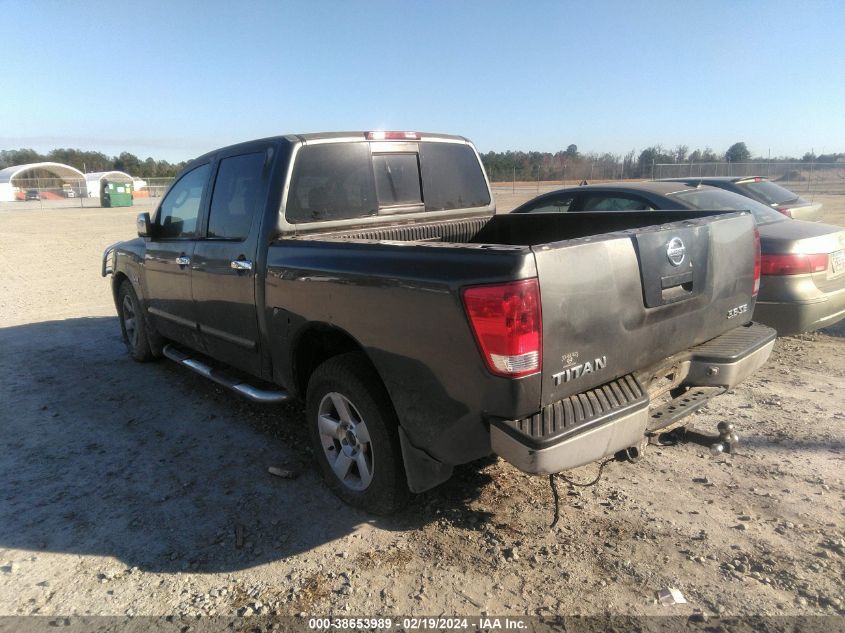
(610, 202)
(558, 204)
(721, 200)
(769, 192)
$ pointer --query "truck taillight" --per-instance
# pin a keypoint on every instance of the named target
(785, 210)
(794, 264)
(381, 135)
(757, 263)
(507, 322)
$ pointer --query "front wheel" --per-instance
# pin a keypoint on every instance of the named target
(354, 435)
(133, 325)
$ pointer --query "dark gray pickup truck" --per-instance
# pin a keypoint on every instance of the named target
(368, 274)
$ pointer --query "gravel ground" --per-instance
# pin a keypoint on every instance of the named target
(143, 489)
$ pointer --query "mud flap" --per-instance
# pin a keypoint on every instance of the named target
(422, 470)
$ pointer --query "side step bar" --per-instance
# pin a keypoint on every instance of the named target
(264, 396)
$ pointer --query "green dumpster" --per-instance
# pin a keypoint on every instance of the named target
(116, 194)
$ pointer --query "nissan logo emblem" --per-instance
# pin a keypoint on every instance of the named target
(676, 251)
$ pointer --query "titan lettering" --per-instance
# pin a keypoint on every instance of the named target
(577, 371)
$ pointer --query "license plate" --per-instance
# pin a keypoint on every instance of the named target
(838, 261)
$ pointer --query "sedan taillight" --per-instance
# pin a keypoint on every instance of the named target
(794, 264)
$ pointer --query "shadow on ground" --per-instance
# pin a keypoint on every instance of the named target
(161, 468)
(837, 329)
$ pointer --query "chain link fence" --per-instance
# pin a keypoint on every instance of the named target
(58, 193)
(802, 177)
(51, 191)
(554, 177)
(157, 187)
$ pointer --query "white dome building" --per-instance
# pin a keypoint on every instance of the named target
(14, 179)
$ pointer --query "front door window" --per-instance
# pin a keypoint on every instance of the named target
(179, 211)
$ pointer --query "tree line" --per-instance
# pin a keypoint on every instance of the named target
(87, 162)
(570, 163)
(500, 166)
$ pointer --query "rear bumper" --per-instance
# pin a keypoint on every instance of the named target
(727, 360)
(600, 422)
(794, 317)
(612, 436)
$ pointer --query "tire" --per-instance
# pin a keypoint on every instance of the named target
(354, 435)
(133, 325)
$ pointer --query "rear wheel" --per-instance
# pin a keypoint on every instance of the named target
(354, 435)
(133, 325)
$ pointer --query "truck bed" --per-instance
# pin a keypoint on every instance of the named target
(513, 230)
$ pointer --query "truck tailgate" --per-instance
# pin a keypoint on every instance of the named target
(619, 302)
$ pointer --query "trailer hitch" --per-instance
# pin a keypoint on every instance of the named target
(725, 442)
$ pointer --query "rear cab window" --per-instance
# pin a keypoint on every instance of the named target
(332, 181)
(397, 177)
(452, 177)
(348, 180)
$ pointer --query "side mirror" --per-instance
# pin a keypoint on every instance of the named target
(145, 228)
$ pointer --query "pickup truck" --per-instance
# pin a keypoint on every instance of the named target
(368, 274)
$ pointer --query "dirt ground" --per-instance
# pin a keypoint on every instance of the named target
(143, 489)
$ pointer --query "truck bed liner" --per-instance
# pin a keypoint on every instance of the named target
(515, 230)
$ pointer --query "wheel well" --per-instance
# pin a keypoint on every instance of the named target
(116, 281)
(314, 347)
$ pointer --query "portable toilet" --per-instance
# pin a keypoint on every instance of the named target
(115, 194)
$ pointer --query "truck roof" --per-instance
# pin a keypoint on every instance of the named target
(322, 136)
(362, 135)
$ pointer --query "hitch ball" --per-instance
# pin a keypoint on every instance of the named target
(728, 439)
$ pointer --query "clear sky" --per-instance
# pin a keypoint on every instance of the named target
(174, 79)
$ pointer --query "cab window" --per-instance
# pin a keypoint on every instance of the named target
(178, 213)
(236, 191)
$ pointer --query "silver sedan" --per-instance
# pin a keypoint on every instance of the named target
(802, 287)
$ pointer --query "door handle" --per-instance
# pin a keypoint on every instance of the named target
(241, 264)
(183, 260)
